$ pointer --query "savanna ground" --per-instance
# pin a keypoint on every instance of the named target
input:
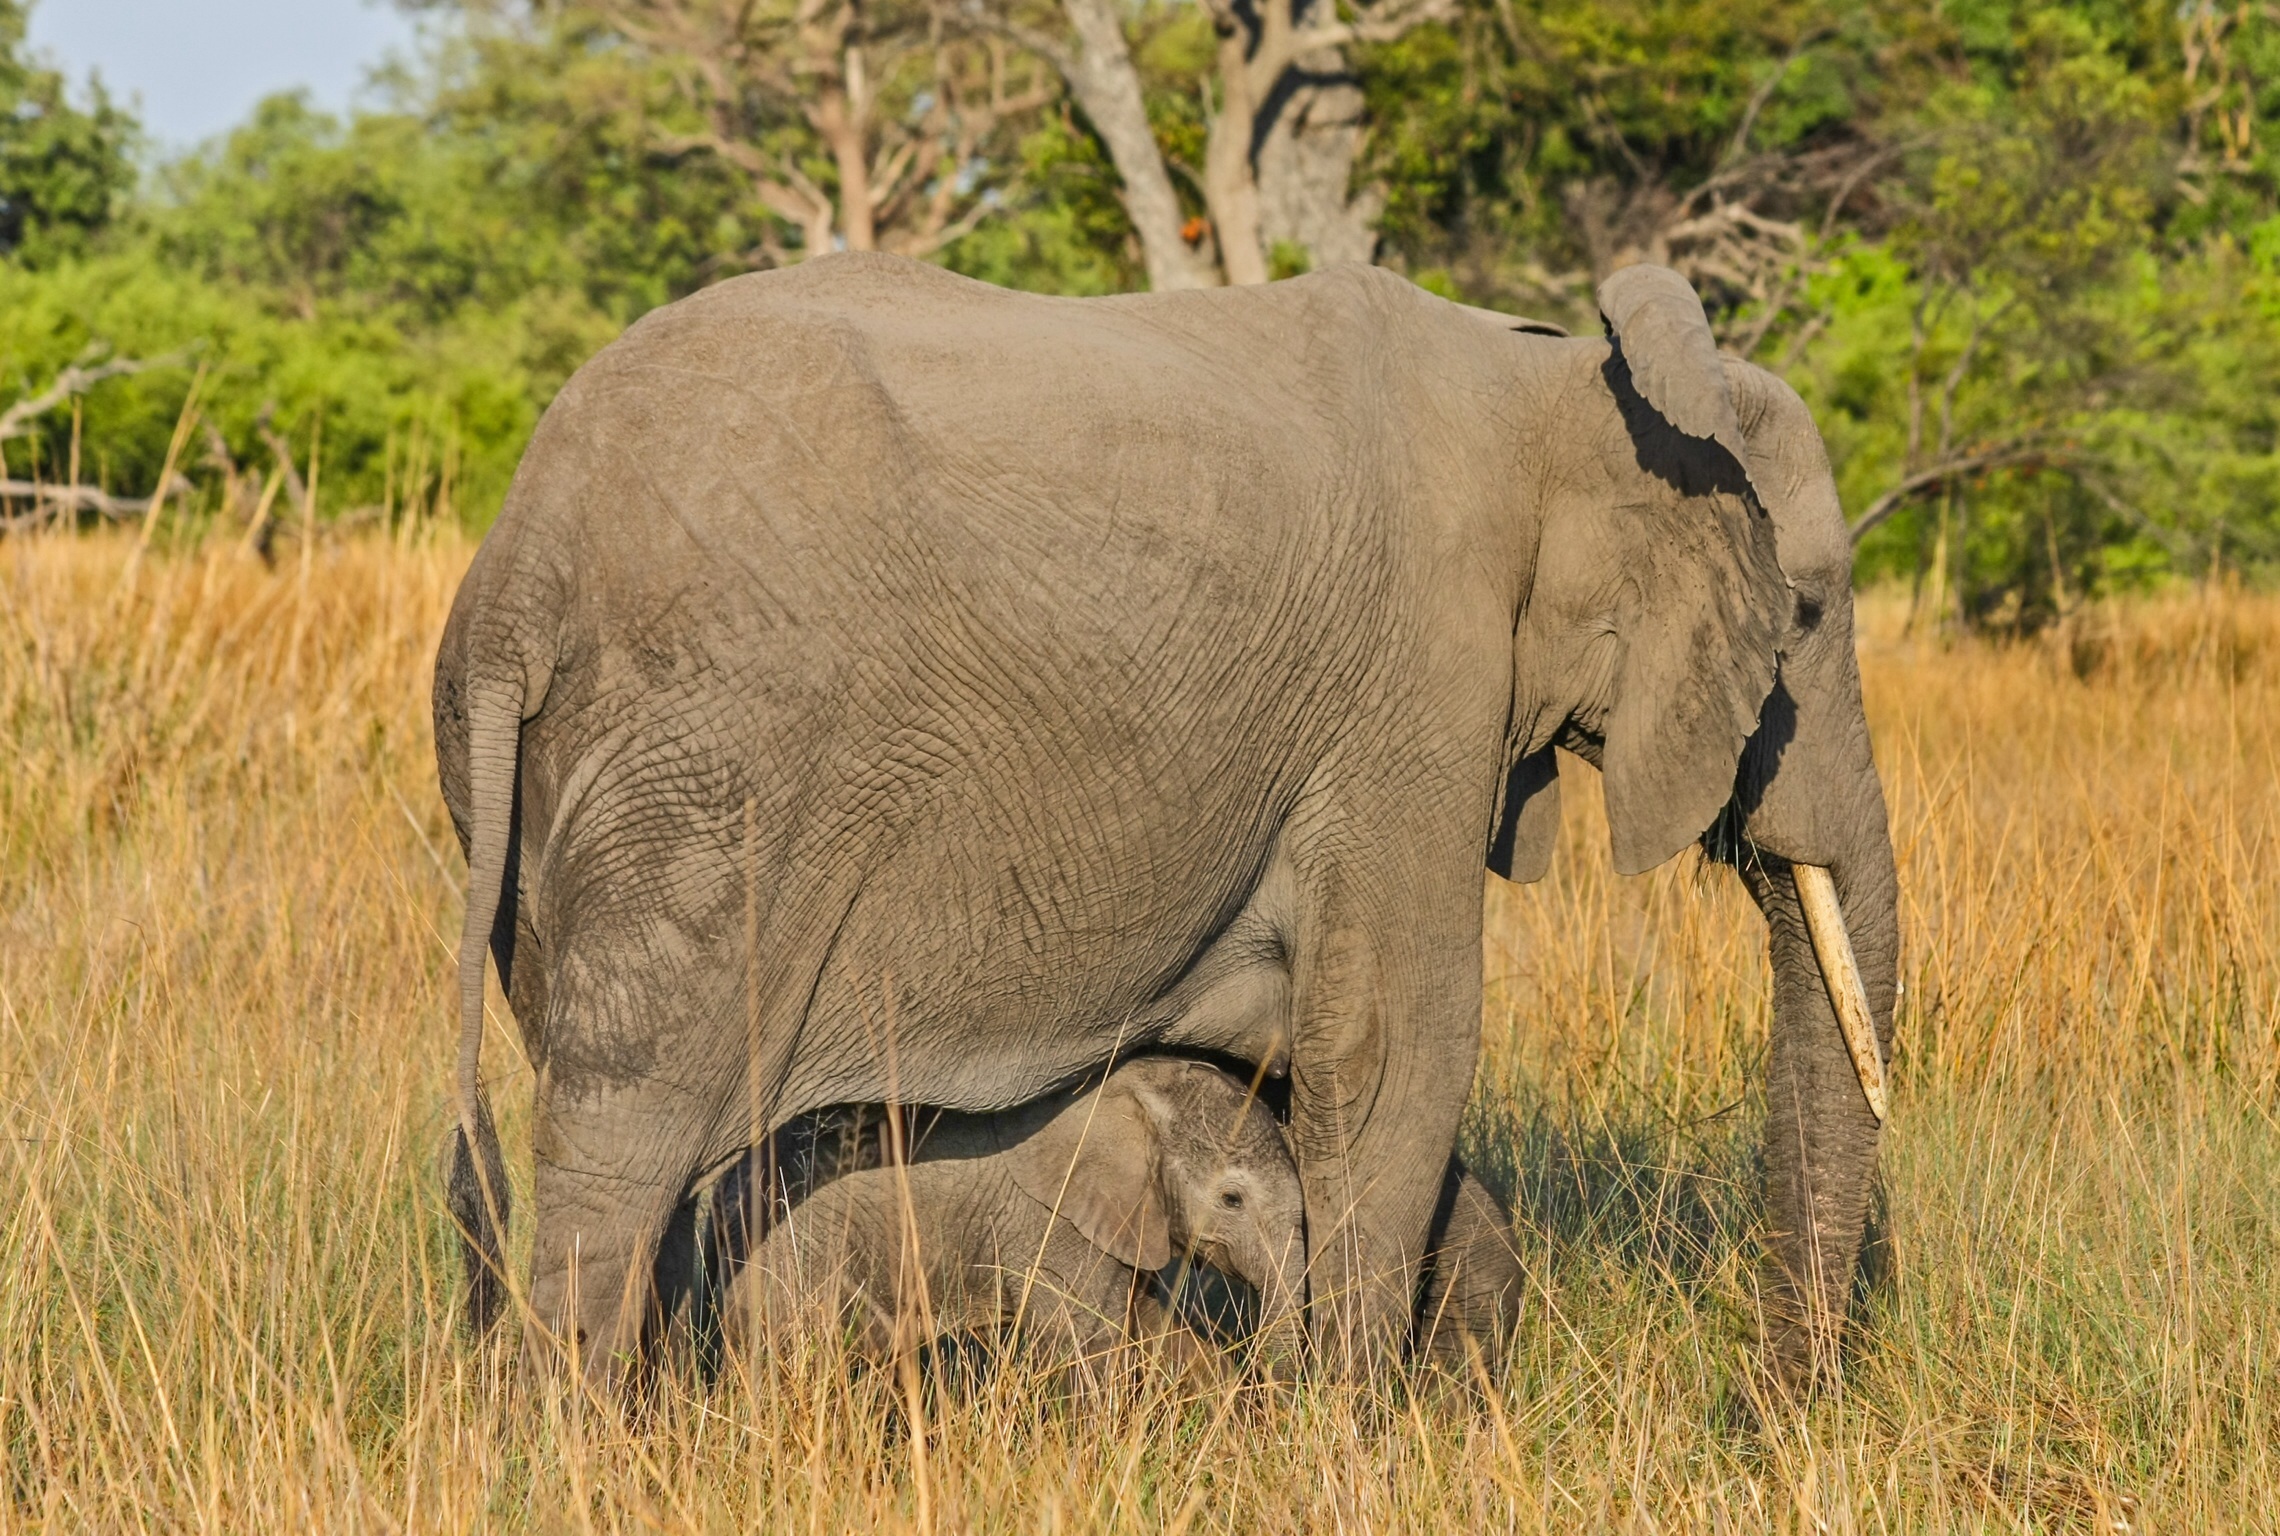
(227, 897)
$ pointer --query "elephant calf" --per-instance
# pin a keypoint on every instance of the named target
(1042, 1221)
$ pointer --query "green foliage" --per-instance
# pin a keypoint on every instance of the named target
(1529, 141)
(2053, 310)
(1174, 53)
(2041, 183)
(557, 121)
(422, 279)
(472, 389)
(2015, 255)
(1063, 230)
(2023, 259)
(62, 167)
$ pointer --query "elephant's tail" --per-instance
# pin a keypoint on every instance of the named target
(476, 1181)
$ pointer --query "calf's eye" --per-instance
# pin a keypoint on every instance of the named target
(1232, 1199)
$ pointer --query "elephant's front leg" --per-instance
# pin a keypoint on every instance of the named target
(1386, 1030)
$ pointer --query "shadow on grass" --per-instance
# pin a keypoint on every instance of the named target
(1619, 1181)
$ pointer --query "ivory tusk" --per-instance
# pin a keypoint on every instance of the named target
(1840, 972)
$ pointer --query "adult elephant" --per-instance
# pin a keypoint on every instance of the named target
(882, 686)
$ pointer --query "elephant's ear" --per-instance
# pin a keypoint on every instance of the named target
(1697, 665)
(1707, 600)
(1521, 851)
(1656, 321)
(1811, 737)
(1789, 467)
(1097, 1165)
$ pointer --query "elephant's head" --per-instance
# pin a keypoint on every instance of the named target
(1177, 1158)
(1689, 628)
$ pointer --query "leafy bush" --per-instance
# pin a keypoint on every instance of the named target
(2023, 261)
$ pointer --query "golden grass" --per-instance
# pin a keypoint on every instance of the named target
(226, 895)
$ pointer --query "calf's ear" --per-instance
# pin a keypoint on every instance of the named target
(1096, 1166)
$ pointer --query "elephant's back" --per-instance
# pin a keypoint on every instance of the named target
(787, 437)
(958, 552)
(807, 394)
(862, 439)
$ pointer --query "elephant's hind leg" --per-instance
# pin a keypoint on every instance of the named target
(613, 1169)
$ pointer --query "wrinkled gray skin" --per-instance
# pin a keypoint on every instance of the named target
(883, 687)
(1042, 1221)
(1469, 1305)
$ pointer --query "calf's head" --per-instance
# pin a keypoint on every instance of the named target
(1174, 1158)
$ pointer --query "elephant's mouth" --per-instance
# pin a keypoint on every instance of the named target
(1840, 972)
(1214, 1253)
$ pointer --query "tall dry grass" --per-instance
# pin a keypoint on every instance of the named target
(226, 896)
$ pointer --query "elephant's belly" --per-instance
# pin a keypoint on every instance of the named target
(901, 1023)
(1244, 1014)
(983, 998)
(1235, 999)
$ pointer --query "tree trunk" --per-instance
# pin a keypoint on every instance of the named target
(841, 116)
(816, 231)
(1100, 75)
(1278, 162)
(1229, 184)
(1306, 164)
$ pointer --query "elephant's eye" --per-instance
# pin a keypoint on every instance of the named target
(1232, 1199)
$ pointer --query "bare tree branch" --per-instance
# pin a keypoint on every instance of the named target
(980, 18)
(778, 87)
(957, 229)
(2012, 455)
(1860, 173)
(83, 374)
(2181, 546)
(57, 500)
(1764, 94)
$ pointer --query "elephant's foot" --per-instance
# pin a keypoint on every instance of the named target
(1360, 1285)
(1358, 1327)
(1802, 1332)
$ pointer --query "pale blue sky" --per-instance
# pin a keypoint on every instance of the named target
(195, 67)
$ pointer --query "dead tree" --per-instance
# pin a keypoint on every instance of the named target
(901, 108)
(1285, 130)
(68, 498)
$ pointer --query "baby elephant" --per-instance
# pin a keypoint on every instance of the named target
(1045, 1221)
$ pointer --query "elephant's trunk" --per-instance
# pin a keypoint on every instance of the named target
(1282, 1314)
(1833, 938)
(475, 1174)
